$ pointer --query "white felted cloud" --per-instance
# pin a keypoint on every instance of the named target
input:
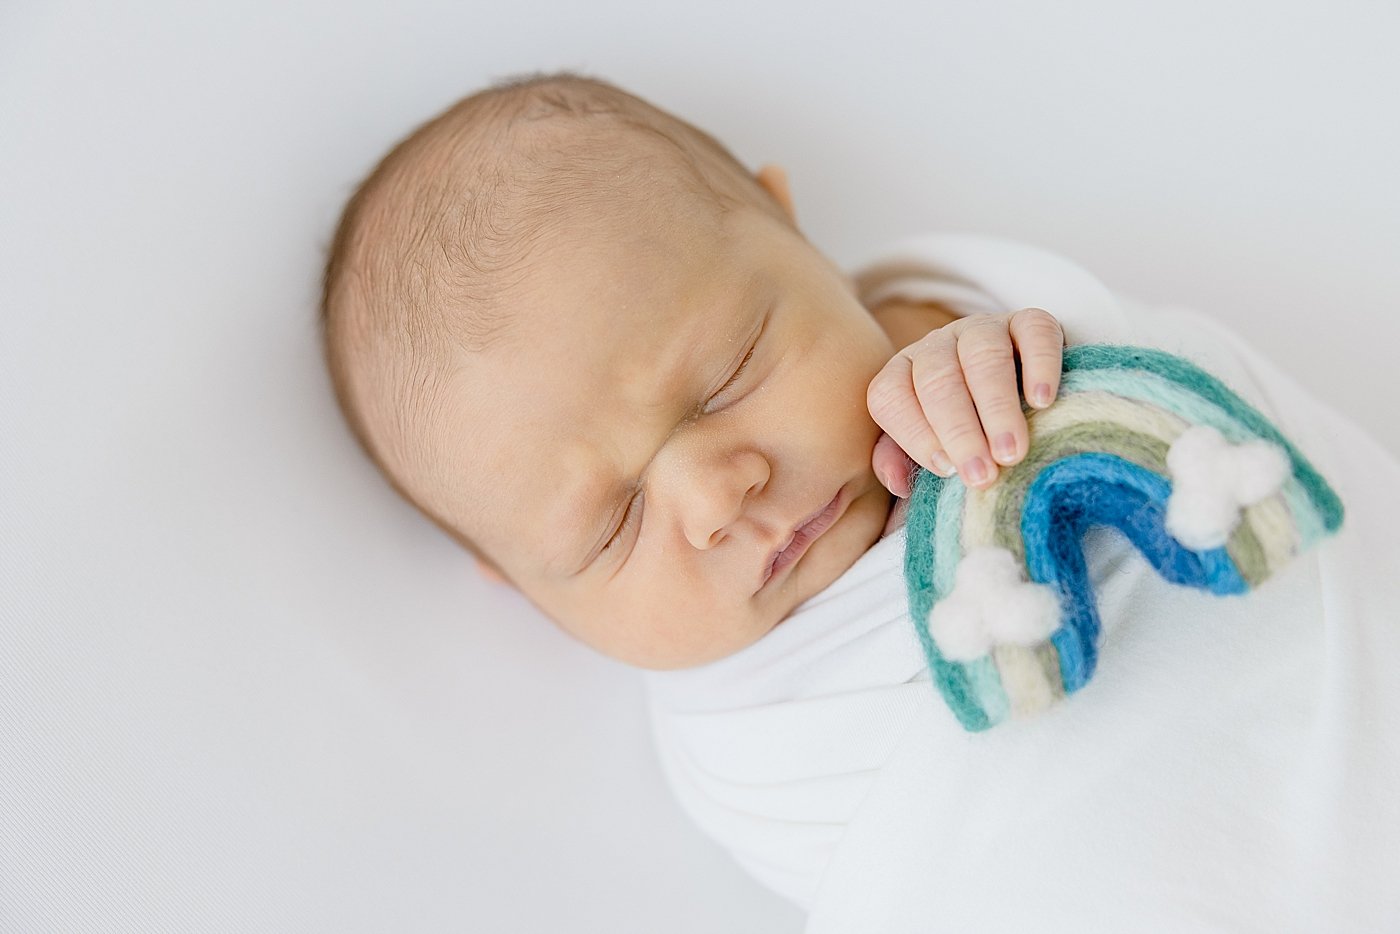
(1212, 480)
(992, 603)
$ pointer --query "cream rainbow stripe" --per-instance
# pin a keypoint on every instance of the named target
(1102, 454)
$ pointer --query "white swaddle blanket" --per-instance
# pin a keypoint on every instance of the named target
(1234, 765)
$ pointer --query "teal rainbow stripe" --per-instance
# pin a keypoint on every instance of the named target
(1098, 457)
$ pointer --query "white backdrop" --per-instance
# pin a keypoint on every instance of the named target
(243, 687)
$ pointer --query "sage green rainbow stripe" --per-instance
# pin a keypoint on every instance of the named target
(1194, 410)
(1136, 401)
(1103, 434)
(1037, 680)
(1120, 357)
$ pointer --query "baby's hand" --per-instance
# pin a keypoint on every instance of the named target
(924, 397)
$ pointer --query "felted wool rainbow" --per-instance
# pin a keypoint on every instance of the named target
(1198, 480)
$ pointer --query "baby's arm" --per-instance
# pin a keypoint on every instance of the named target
(950, 396)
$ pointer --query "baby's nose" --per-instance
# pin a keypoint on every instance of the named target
(716, 500)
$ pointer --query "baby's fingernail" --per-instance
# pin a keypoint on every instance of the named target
(884, 478)
(1005, 447)
(974, 471)
(941, 464)
(1041, 394)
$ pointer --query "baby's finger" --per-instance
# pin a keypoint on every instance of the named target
(947, 405)
(892, 466)
(989, 368)
(1040, 343)
(895, 408)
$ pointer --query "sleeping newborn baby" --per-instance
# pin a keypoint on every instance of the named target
(584, 340)
(579, 335)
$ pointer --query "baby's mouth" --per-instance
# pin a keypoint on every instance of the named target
(802, 537)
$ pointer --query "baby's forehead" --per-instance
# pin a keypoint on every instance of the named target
(638, 274)
(639, 328)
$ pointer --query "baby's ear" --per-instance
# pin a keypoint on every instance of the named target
(774, 180)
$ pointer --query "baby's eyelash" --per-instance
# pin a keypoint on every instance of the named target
(624, 524)
(735, 378)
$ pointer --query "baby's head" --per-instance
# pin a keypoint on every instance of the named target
(585, 341)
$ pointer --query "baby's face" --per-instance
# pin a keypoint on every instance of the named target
(636, 489)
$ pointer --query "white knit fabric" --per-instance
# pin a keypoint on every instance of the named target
(1231, 766)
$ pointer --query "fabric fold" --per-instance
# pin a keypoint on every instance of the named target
(771, 750)
(1231, 767)
(972, 273)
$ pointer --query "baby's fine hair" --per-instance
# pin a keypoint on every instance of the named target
(435, 241)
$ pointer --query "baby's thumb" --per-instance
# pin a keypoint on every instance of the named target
(892, 466)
